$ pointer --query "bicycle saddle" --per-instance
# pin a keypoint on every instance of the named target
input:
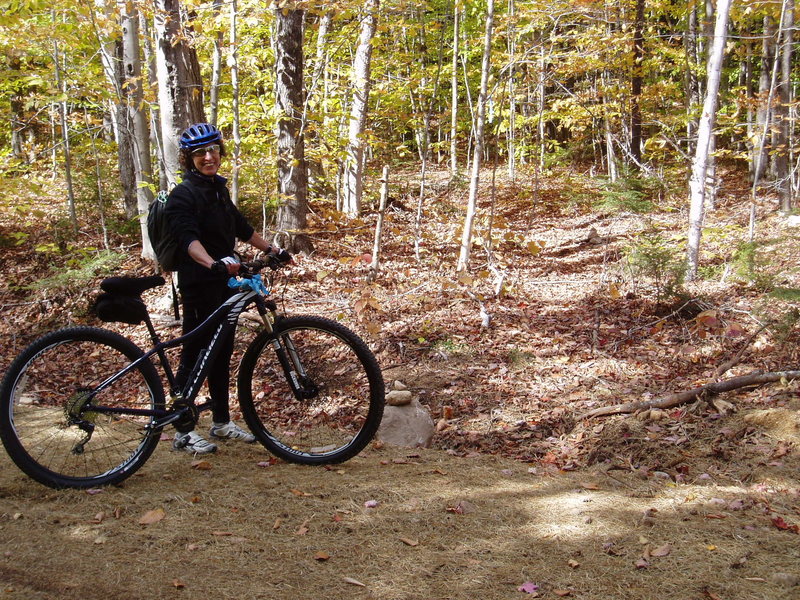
(130, 286)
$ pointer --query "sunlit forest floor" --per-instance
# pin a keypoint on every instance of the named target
(576, 306)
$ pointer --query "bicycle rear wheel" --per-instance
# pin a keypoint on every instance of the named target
(339, 406)
(50, 419)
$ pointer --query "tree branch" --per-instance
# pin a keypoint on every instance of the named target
(751, 379)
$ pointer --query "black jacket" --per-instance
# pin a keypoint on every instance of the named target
(200, 208)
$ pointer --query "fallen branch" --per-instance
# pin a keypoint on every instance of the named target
(727, 366)
(672, 400)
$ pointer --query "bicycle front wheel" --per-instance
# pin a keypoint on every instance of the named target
(311, 391)
(66, 421)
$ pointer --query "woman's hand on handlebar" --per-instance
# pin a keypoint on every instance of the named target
(229, 265)
(275, 259)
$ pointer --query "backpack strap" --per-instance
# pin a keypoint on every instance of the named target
(176, 311)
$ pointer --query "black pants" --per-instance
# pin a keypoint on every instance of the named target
(199, 303)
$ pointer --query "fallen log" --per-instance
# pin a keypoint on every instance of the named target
(678, 398)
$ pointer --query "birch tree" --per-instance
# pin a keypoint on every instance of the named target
(454, 95)
(136, 119)
(697, 187)
(782, 134)
(180, 89)
(61, 84)
(477, 152)
(216, 67)
(233, 63)
(354, 162)
(111, 51)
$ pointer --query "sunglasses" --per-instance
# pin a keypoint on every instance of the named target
(213, 148)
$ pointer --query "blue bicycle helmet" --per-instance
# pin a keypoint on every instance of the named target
(199, 135)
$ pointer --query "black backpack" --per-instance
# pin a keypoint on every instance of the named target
(164, 243)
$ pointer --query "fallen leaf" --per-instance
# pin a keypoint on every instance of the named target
(710, 595)
(590, 486)
(303, 529)
(152, 516)
(321, 556)
(462, 508)
(642, 563)
(784, 526)
(661, 550)
(409, 542)
(93, 491)
(573, 564)
(299, 493)
(177, 583)
(277, 523)
(221, 533)
(371, 504)
(201, 465)
(352, 581)
(528, 587)
(562, 593)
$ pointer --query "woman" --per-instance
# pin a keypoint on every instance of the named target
(206, 224)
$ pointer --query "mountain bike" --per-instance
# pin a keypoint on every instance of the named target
(84, 406)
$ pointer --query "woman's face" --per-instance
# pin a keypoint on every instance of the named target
(206, 160)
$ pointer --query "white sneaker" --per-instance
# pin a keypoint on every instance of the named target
(231, 431)
(193, 442)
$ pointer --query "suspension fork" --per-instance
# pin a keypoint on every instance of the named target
(302, 385)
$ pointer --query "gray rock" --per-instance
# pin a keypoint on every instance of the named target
(409, 426)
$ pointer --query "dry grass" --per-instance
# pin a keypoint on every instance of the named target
(444, 527)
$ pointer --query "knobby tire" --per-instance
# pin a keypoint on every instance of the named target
(47, 392)
(342, 406)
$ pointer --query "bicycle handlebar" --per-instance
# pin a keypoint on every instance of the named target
(273, 261)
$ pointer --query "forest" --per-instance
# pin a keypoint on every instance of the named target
(568, 228)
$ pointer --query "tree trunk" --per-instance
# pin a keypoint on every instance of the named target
(704, 133)
(136, 120)
(782, 168)
(237, 139)
(316, 96)
(692, 85)
(180, 88)
(454, 95)
(375, 267)
(216, 69)
(111, 57)
(636, 87)
(354, 162)
(472, 202)
(512, 105)
(760, 158)
(292, 175)
(124, 135)
(155, 113)
(62, 112)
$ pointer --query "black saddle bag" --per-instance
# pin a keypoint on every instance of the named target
(122, 309)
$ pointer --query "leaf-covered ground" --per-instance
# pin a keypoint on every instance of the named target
(518, 495)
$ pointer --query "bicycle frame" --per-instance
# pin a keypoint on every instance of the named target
(224, 319)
